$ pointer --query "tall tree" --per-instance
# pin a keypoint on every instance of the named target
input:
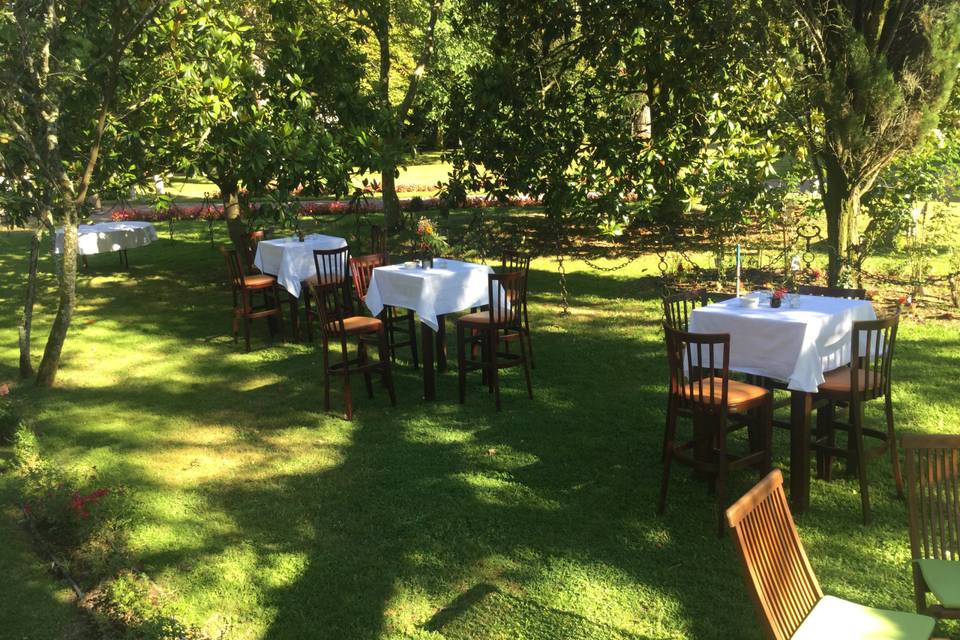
(413, 25)
(874, 77)
(65, 74)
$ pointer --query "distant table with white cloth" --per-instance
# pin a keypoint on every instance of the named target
(795, 345)
(447, 287)
(107, 237)
(290, 260)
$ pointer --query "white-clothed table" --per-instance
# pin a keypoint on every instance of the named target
(290, 260)
(794, 345)
(106, 237)
(430, 292)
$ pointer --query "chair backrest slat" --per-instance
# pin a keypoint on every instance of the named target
(362, 271)
(678, 307)
(378, 239)
(511, 261)
(832, 292)
(696, 368)
(933, 495)
(779, 576)
(872, 344)
(332, 290)
(234, 268)
(506, 293)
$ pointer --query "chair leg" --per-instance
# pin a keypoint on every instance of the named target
(827, 434)
(526, 367)
(669, 437)
(246, 319)
(856, 416)
(461, 364)
(721, 482)
(348, 396)
(412, 329)
(362, 357)
(666, 429)
(892, 443)
(387, 368)
(279, 307)
(326, 376)
(768, 436)
(526, 332)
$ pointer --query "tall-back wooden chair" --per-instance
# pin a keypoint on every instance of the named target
(338, 324)
(867, 378)
(677, 307)
(503, 316)
(700, 384)
(784, 589)
(832, 292)
(331, 266)
(933, 497)
(519, 262)
(397, 321)
(245, 288)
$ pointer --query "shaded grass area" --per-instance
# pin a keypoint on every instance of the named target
(262, 516)
(35, 606)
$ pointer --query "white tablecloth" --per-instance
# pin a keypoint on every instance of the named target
(795, 345)
(290, 260)
(430, 292)
(105, 237)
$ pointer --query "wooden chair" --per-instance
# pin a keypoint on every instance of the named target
(514, 262)
(832, 292)
(700, 384)
(331, 266)
(337, 324)
(244, 289)
(504, 315)
(253, 240)
(866, 378)
(933, 497)
(677, 307)
(784, 589)
(396, 321)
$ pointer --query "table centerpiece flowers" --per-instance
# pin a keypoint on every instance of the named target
(430, 243)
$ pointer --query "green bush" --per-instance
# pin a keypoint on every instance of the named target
(10, 420)
(128, 608)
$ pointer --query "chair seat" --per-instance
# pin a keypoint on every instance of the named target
(943, 578)
(259, 281)
(740, 395)
(327, 279)
(481, 318)
(833, 618)
(357, 324)
(837, 382)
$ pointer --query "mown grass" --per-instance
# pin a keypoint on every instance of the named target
(261, 515)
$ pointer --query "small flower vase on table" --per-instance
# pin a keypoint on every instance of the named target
(777, 298)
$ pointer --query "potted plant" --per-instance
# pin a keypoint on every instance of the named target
(429, 242)
(777, 298)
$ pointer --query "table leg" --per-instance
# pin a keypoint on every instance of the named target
(442, 344)
(801, 406)
(427, 337)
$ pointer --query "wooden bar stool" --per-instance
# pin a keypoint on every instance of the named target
(244, 289)
(784, 589)
(700, 384)
(504, 315)
(396, 321)
(867, 378)
(337, 324)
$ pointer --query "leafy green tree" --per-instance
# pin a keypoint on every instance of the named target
(413, 25)
(873, 78)
(65, 72)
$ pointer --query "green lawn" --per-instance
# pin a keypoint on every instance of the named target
(263, 516)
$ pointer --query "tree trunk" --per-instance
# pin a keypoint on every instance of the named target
(391, 201)
(235, 227)
(26, 317)
(50, 363)
(842, 206)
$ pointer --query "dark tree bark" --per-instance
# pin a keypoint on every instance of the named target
(50, 363)
(30, 296)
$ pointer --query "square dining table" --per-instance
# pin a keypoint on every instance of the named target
(291, 262)
(795, 345)
(447, 287)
